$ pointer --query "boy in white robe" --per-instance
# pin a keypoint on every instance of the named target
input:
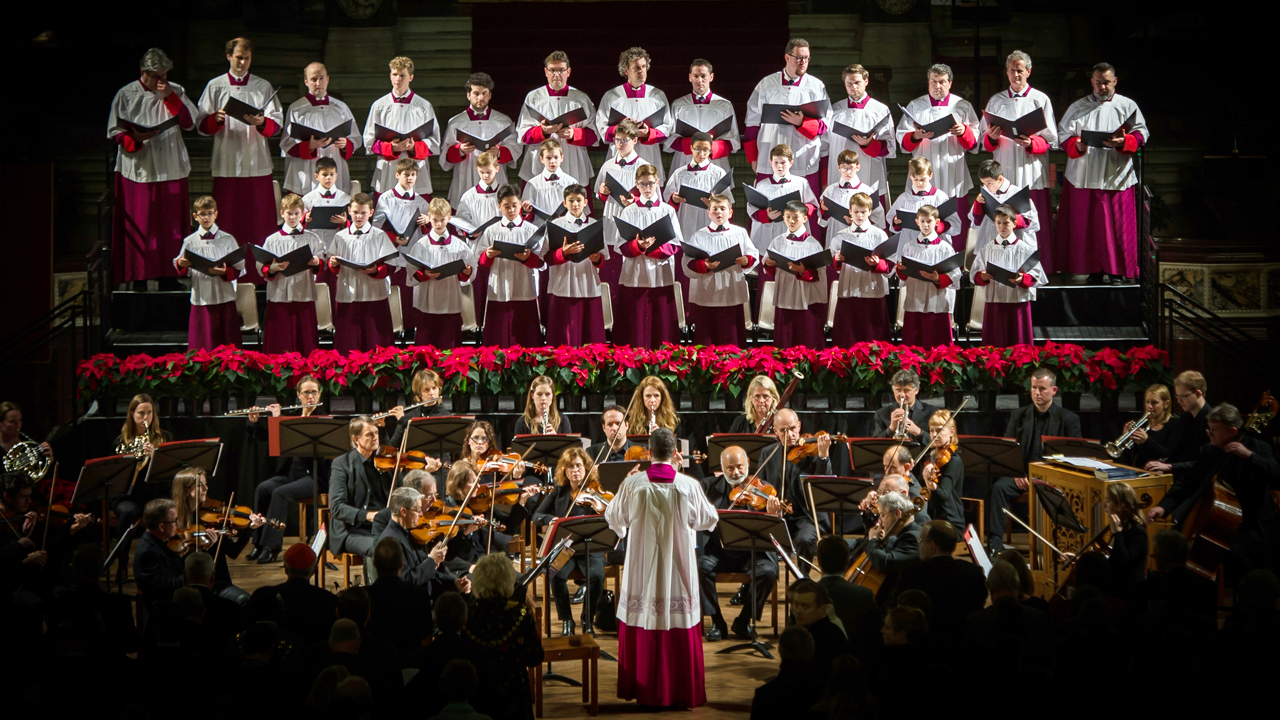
(1006, 317)
(716, 294)
(362, 315)
(862, 314)
(575, 311)
(214, 320)
(646, 311)
(929, 302)
(290, 322)
(437, 301)
(512, 297)
(800, 293)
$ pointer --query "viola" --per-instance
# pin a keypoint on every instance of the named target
(388, 457)
(755, 493)
(594, 497)
(214, 512)
(504, 463)
(444, 524)
(192, 539)
(808, 447)
(640, 453)
(503, 493)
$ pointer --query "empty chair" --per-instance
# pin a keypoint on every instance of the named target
(247, 306)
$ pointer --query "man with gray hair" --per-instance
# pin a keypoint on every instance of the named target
(357, 491)
(945, 149)
(894, 543)
(421, 568)
(1022, 157)
(660, 511)
(149, 219)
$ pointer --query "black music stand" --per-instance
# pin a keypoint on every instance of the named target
(612, 474)
(171, 458)
(751, 531)
(991, 456)
(753, 443)
(587, 531)
(545, 449)
(314, 437)
(1057, 507)
(101, 479)
(864, 452)
(1074, 447)
(126, 538)
(447, 433)
(837, 495)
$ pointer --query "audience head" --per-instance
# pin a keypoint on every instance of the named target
(326, 684)
(938, 539)
(266, 605)
(904, 625)
(388, 558)
(197, 569)
(833, 555)
(1171, 550)
(259, 641)
(86, 564)
(1026, 582)
(1003, 581)
(189, 602)
(352, 698)
(795, 645)
(809, 601)
(299, 561)
(1259, 590)
(459, 681)
(1093, 570)
(493, 577)
(355, 605)
(450, 613)
(917, 599)
(344, 637)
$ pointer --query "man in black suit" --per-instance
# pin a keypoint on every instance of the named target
(906, 391)
(853, 604)
(786, 428)
(614, 423)
(357, 491)
(1190, 428)
(420, 567)
(157, 569)
(1246, 465)
(795, 683)
(309, 610)
(395, 613)
(1027, 425)
(448, 643)
(956, 588)
(809, 603)
(296, 480)
(713, 558)
(890, 554)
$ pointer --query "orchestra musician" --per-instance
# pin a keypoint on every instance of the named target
(1129, 543)
(426, 388)
(482, 442)
(541, 417)
(651, 407)
(1153, 442)
(944, 480)
(573, 471)
(471, 541)
(1248, 467)
(357, 491)
(613, 421)
(142, 428)
(190, 490)
(762, 399)
(11, 429)
(713, 558)
(294, 482)
(157, 569)
(1188, 435)
(891, 553)
(784, 476)
(422, 567)
(890, 419)
(19, 554)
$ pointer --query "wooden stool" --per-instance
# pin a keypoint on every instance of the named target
(563, 649)
(979, 508)
(745, 579)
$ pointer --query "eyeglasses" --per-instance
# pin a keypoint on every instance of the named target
(478, 440)
(646, 184)
(207, 213)
(554, 71)
(799, 58)
(309, 393)
(1184, 396)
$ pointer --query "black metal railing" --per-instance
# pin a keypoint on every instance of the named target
(1181, 313)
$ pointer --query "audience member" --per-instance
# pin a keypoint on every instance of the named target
(809, 602)
(795, 679)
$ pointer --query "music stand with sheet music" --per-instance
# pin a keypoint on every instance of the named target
(867, 453)
(103, 478)
(588, 531)
(835, 494)
(173, 457)
(545, 449)
(612, 474)
(976, 551)
(1074, 447)
(443, 433)
(1057, 507)
(750, 531)
(753, 443)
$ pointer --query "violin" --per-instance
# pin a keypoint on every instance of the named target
(444, 524)
(640, 453)
(808, 447)
(58, 515)
(755, 493)
(594, 496)
(213, 512)
(938, 459)
(498, 462)
(193, 539)
(388, 457)
(503, 493)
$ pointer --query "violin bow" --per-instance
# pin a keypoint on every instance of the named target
(608, 443)
(404, 442)
(48, 516)
(1033, 532)
(10, 525)
(226, 523)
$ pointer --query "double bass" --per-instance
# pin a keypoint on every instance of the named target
(1212, 525)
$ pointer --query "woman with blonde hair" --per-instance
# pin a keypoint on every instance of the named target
(651, 408)
(541, 417)
(762, 398)
(508, 633)
(189, 491)
(1130, 545)
(573, 471)
(1152, 442)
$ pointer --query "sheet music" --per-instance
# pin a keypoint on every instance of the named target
(976, 551)
(1081, 462)
(317, 545)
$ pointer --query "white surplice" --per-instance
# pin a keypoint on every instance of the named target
(661, 521)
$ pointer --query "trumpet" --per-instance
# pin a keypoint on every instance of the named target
(900, 430)
(256, 409)
(27, 457)
(1117, 447)
(379, 416)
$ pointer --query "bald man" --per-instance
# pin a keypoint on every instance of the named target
(713, 558)
(785, 477)
(317, 111)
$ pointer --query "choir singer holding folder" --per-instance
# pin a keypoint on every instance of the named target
(438, 266)
(715, 260)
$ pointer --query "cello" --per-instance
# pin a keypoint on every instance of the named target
(1212, 525)
(862, 572)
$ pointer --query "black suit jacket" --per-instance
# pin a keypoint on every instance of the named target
(1062, 423)
(351, 494)
(788, 694)
(956, 588)
(555, 504)
(611, 455)
(919, 414)
(418, 569)
(309, 610)
(794, 494)
(1250, 478)
(829, 643)
(856, 607)
(157, 569)
(396, 613)
(430, 659)
(1187, 439)
(892, 555)
(397, 435)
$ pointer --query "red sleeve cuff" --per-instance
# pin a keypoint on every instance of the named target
(809, 275)
(977, 211)
(944, 282)
(978, 280)
(266, 272)
(987, 144)
(967, 140)
(385, 150)
(173, 104)
(655, 136)
(1073, 149)
(485, 260)
(810, 128)
(349, 150)
(750, 263)
(884, 266)
(420, 276)
(384, 271)
(901, 275)
(557, 257)
(909, 142)
(1019, 221)
(700, 266)
(454, 153)
(420, 150)
(632, 249)
(876, 148)
(609, 133)
(941, 227)
(838, 265)
(210, 126)
(301, 150)
(231, 274)
(504, 155)
(749, 147)
(1027, 280)
(127, 143)
(533, 261)
(769, 272)
(719, 149)
(763, 215)
(268, 127)
(1130, 143)
(1039, 145)
(465, 274)
(810, 209)
(533, 135)
(583, 137)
